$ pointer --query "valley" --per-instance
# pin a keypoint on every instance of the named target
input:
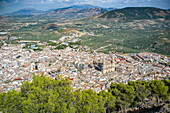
(135, 35)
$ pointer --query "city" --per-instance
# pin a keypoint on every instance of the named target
(86, 70)
(84, 56)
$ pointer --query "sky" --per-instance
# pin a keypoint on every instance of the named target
(7, 6)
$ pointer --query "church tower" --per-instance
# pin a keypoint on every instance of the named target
(113, 63)
(104, 68)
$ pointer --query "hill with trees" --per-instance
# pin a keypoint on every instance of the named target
(55, 95)
(135, 13)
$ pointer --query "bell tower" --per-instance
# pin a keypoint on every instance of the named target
(104, 70)
(113, 63)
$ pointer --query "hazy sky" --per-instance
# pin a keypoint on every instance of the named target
(13, 5)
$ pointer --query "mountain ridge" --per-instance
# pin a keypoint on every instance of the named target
(96, 12)
(137, 13)
(84, 6)
(64, 10)
(26, 11)
(86, 12)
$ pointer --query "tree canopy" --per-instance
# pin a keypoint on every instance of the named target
(44, 95)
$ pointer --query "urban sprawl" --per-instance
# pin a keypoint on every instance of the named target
(86, 70)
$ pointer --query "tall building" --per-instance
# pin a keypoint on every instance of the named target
(104, 65)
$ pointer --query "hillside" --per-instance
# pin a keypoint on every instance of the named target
(69, 11)
(91, 11)
(146, 31)
(74, 12)
(63, 10)
(136, 13)
(27, 11)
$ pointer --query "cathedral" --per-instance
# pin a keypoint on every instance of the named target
(105, 65)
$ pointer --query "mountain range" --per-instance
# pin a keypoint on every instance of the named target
(135, 13)
(84, 6)
(76, 9)
(26, 11)
(79, 12)
(95, 12)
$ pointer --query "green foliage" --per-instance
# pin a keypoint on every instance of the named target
(124, 94)
(89, 102)
(79, 70)
(10, 102)
(55, 95)
(74, 43)
(141, 91)
(38, 49)
(158, 88)
(61, 47)
(134, 92)
(49, 95)
(109, 100)
(1, 43)
(52, 44)
(167, 83)
(127, 37)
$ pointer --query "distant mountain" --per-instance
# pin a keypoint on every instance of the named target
(84, 6)
(91, 11)
(88, 6)
(84, 10)
(27, 11)
(110, 8)
(64, 11)
(135, 13)
(76, 11)
(49, 10)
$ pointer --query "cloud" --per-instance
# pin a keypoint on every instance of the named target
(16, 1)
(50, 1)
(126, 1)
(42, 2)
(63, 1)
(46, 2)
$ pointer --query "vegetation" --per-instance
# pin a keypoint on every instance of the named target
(52, 44)
(38, 49)
(136, 13)
(61, 47)
(127, 37)
(128, 30)
(55, 95)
